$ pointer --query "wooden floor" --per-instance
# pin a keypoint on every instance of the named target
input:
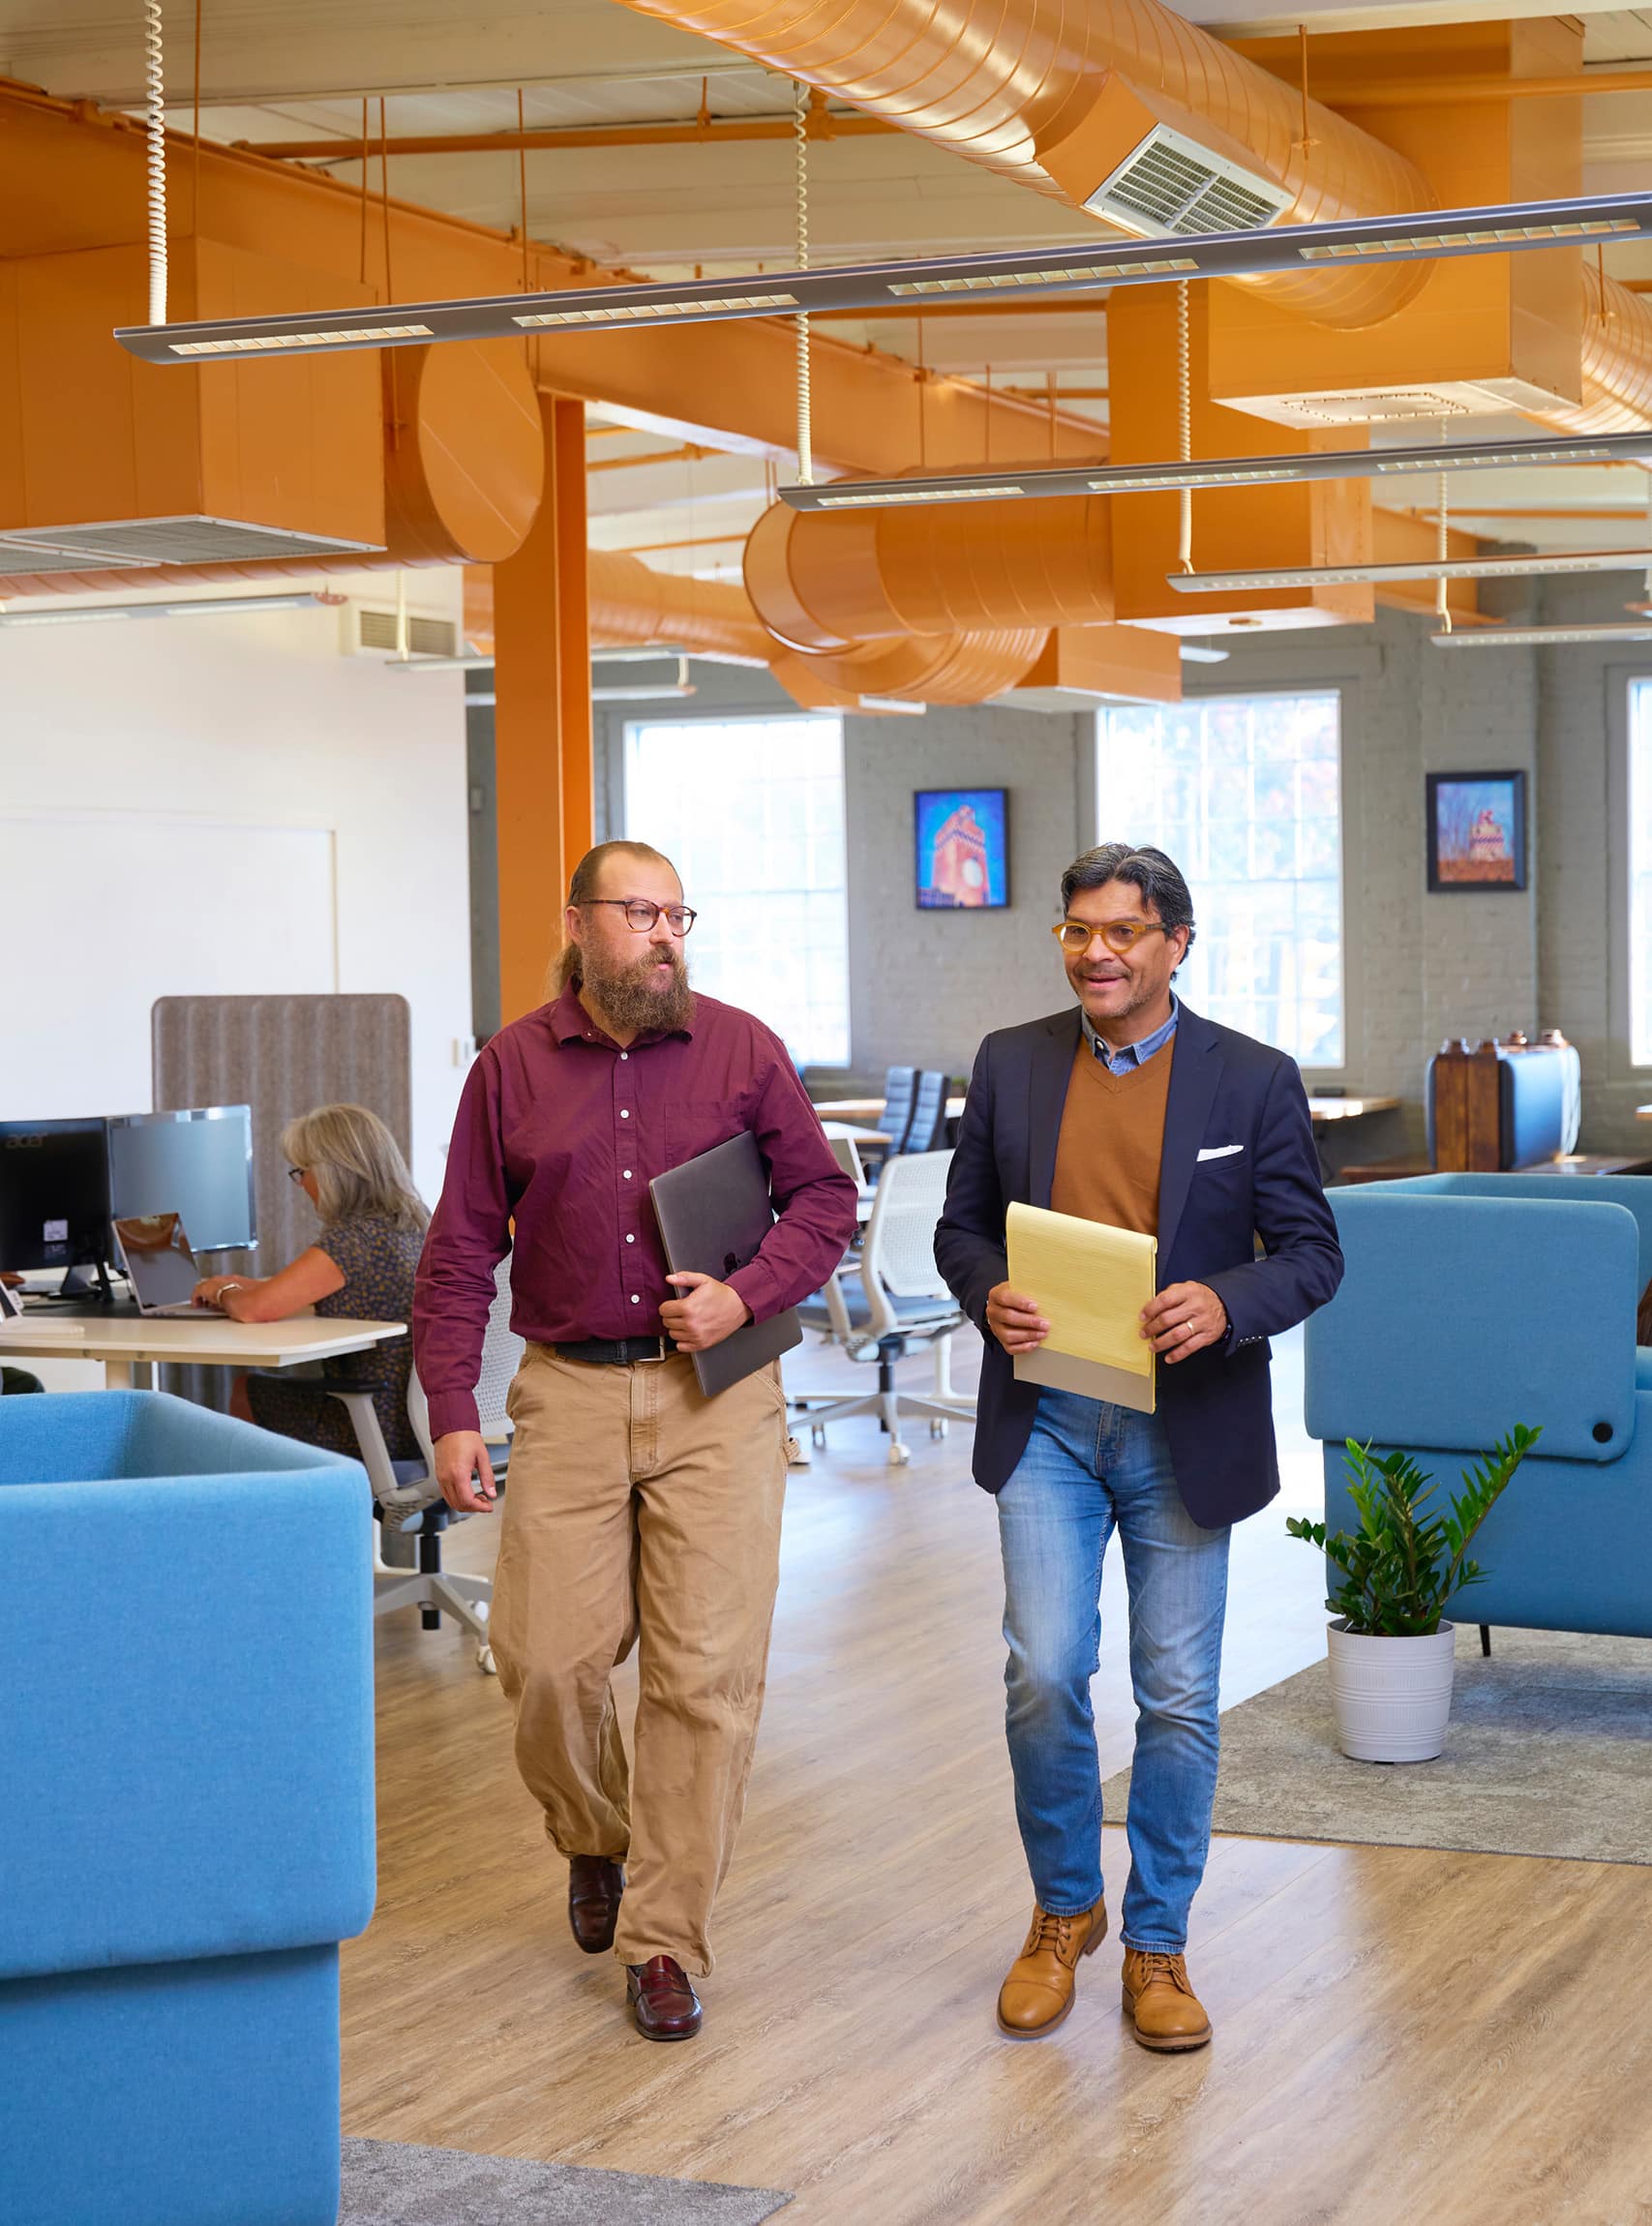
(1400, 2034)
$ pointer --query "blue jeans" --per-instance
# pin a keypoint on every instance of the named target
(1091, 1468)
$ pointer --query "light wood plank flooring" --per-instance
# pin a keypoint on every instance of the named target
(1400, 2034)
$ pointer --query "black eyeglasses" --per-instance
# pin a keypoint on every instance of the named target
(641, 915)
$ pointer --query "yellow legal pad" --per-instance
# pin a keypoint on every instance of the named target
(1090, 1281)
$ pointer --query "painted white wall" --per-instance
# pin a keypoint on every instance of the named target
(225, 804)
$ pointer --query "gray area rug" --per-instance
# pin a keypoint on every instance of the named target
(1549, 1753)
(390, 2184)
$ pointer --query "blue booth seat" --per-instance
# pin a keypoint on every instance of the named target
(187, 1820)
(1472, 1302)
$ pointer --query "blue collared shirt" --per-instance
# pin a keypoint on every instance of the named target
(1134, 1055)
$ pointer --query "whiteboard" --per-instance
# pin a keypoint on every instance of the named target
(102, 912)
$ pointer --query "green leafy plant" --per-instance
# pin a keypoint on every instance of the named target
(1405, 1560)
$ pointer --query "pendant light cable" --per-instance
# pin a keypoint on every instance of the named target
(1183, 422)
(155, 129)
(806, 411)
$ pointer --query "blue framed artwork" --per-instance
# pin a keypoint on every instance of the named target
(1476, 832)
(963, 848)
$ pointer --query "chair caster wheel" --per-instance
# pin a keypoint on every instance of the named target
(937, 1429)
(485, 1660)
(817, 1439)
(899, 1455)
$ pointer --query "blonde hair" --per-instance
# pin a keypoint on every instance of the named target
(567, 968)
(357, 1165)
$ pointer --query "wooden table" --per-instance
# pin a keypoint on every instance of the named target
(124, 1342)
(1326, 1112)
(870, 1108)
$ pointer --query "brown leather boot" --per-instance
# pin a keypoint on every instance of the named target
(663, 2001)
(594, 1888)
(1038, 1991)
(1165, 2011)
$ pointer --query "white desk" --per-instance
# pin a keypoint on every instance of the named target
(125, 1341)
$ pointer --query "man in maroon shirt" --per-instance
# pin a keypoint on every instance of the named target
(639, 1509)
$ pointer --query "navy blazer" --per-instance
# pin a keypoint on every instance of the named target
(1225, 1089)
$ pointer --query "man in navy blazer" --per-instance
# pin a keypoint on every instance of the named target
(1130, 1108)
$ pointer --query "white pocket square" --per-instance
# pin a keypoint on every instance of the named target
(1220, 1151)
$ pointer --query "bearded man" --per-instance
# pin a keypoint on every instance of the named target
(640, 1511)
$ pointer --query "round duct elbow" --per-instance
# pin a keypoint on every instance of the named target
(464, 452)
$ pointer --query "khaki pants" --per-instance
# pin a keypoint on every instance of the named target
(640, 1513)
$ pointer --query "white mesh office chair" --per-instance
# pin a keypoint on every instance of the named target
(407, 1499)
(897, 1298)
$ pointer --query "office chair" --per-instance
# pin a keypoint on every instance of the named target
(407, 1500)
(926, 1130)
(896, 1299)
(900, 1084)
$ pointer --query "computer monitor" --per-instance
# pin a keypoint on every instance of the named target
(54, 1196)
(197, 1164)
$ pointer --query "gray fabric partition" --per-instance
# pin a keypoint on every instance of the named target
(282, 1056)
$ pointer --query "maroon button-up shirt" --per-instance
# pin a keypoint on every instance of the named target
(561, 1131)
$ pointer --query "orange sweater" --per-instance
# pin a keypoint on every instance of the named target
(1112, 1140)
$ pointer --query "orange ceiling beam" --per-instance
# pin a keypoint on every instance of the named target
(733, 130)
(1448, 91)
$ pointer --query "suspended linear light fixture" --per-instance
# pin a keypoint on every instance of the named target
(1017, 275)
(1545, 637)
(201, 607)
(1423, 568)
(1047, 480)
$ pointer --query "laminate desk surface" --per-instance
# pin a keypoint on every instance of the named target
(122, 1341)
(870, 1108)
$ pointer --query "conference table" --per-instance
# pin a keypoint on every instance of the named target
(126, 1342)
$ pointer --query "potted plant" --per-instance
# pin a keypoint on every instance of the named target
(1391, 1655)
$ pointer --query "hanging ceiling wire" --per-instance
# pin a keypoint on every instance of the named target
(805, 419)
(1184, 422)
(1442, 610)
(155, 127)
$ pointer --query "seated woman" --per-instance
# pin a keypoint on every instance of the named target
(361, 1264)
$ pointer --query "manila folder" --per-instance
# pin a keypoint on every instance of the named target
(1090, 1281)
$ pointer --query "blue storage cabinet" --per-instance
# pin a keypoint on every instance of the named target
(186, 1812)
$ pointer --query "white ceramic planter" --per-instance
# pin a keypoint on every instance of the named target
(1392, 1697)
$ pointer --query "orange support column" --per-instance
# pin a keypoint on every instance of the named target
(542, 717)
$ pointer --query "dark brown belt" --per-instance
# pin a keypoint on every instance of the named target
(616, 1352)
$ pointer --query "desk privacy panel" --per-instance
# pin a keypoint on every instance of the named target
(282, 1056)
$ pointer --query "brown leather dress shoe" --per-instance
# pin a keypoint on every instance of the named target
(1165, 2011)
(663, 2002)
(1038, 1991)
(594, 1888)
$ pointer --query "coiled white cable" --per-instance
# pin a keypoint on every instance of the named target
(805, 409)
(1442, 608)
(155, 126)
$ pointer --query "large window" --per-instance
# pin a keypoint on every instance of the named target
(1244, 793)
(1640, 872)
(751, 814)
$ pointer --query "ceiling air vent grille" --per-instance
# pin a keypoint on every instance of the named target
(126, 541)
(376, 632)
(1171, 185)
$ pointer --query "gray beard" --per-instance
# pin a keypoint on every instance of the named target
(628, 998)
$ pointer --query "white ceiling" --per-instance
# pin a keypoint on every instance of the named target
(282, 69)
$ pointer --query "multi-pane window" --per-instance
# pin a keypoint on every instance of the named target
(751, 813)
(1245, 794)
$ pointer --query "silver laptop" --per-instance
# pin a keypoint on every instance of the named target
(160, 1265)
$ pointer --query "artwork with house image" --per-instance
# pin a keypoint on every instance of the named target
(1477, 830)
(963, 848)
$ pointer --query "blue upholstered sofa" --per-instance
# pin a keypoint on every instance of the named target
(186, 1812)
(1475, 1302)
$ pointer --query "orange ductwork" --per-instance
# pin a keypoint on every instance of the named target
(1058, 95)
(1617, 361)
(631, 605)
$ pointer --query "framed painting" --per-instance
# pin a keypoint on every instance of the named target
(963, 848)
(1477, 830)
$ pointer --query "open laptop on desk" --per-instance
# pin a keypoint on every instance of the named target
(160, 1265)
